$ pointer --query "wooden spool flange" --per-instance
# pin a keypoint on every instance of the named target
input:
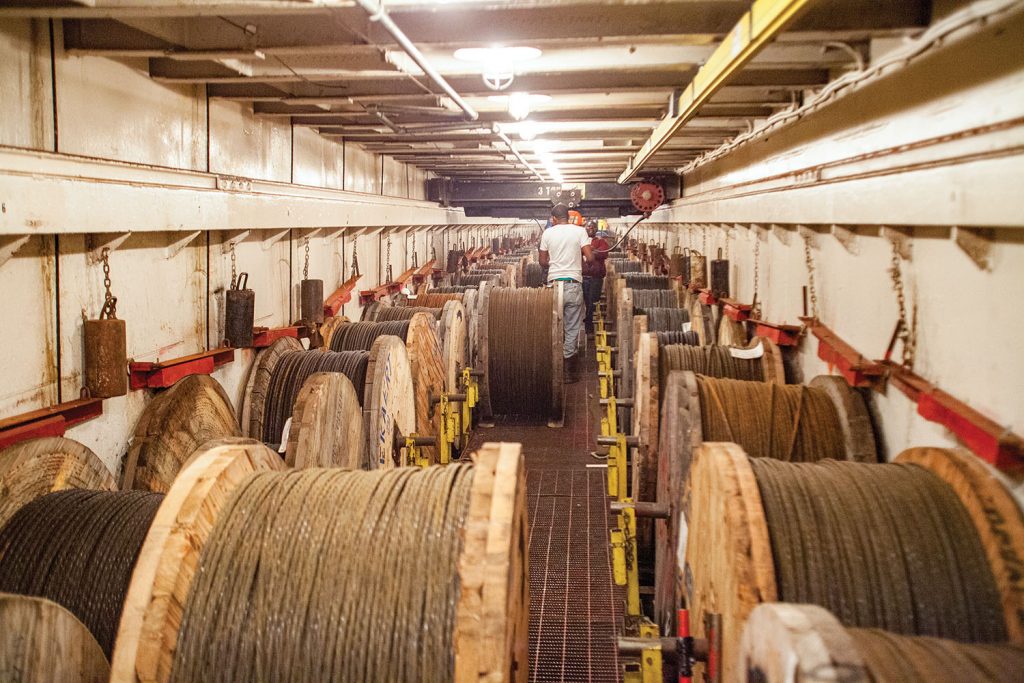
(327, 424)
(454, 341)
(482, 359)
(34, 468)
(148, 633)
(470, 299)
(41, 642)
(729, 568)
(173, 425)
(731, 332)
(680, 434)
(702, 322)
(624, 342)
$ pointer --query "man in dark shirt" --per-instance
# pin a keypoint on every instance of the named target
(593, 273)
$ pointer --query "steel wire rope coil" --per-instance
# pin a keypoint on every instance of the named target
(490, 267)
(663, 318)
(449, 289)
(533, 275)
(678, 337)
(386, 313)
(887, 546)
(644, 299)
(78, 548)
(361, 335)
(292, 369)
(434, 299)
(473, 280)
(708, 361)
(639, 281)
(621, 265)
(329, 575)
(520, 338)
(788, 642)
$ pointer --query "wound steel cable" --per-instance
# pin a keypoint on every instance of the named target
(327, 574)
(386, 313)
(293, 369)
(434, 299)
(361, 335)
(533, 275)
(880, 546)
(783, 422)
(664, 319)
(622, 265)
(891, 657)
(638, 281)
(644, 299)
(450, 289)
(687, 338)
(520, 339)
(78, 548)
(474, 280)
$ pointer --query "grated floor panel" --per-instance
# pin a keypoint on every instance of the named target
(575, 608)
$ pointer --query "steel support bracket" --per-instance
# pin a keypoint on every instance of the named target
(160, 375)
(50, 421)
(233, 239)
(95, 243)
(9, 246)
(847, 238)
(782, 233)
(901, 237)
(174, 248)
(273, 238)
(976, 243)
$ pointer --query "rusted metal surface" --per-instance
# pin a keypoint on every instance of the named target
(106, 357)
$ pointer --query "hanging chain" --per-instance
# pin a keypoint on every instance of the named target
(809, 261)
(906, 332)
(756, 309)
(234, 274)
(415, 257)
(355, 259)
(109, 300)
(388, 259)
(704, 240)
(305, 263)
(728, 236)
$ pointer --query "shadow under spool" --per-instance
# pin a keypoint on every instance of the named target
(78, 548)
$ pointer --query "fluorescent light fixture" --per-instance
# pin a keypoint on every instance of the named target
(520, 104)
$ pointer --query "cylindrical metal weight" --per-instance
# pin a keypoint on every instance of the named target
(311, 301)
(698, 270)
(106, 357)
(686, 267)
(239, 313)
(454, 259)
(719, 277)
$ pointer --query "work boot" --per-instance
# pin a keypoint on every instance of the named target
(571, 371)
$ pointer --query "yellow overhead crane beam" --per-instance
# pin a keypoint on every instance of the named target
(755, 29)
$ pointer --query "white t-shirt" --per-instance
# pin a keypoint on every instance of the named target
(564, 243)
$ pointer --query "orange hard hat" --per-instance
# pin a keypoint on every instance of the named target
(576, 218)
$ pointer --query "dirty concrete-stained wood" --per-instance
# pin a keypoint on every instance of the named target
(41, 642)
(428, 376)
(148, 633)
(174, 424)
(389, 404)
(34, 468)
(492, 613)
(327, 424)
(453, 339)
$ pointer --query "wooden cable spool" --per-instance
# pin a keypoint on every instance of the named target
(327, 424)
(521, 348)
(387, 401)
(421, 340)
(681, 431)
(193, 411)
(34, 468)
(380, 312)
(731, 332)
(488, 631)
(41, 642)
(788, 643)
(731, 565)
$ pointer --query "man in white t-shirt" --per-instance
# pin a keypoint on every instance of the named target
(563, 248)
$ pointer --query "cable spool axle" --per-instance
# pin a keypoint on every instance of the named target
(787, 643)
(432, 559)
(78, 548)
(524, 352)
(921, 546)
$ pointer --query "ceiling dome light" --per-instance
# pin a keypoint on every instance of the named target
(528, 130)
(498, 63)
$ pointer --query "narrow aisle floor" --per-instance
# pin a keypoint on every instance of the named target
(575, 608)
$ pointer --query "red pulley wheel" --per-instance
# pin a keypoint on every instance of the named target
(646, 196)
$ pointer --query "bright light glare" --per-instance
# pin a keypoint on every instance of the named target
(528, 130)
(497, 55)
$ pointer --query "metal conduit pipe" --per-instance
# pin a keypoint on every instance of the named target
(379, 14)
(515, 150)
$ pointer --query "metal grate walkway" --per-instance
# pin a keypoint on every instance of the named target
(575, 608)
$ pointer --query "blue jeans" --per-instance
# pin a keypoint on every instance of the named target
(591, 293)
(572, 316)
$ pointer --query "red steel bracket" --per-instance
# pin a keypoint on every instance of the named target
(51, 421)
(707, 298)
(341, 296)
(781, 335)
(263, 336)
(161, 375)
(734, 310)
(425, 271)
(857, 370)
